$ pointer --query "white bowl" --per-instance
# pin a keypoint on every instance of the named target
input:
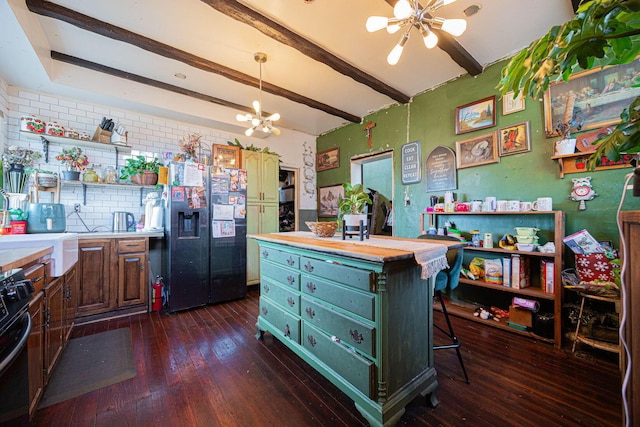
(526, 239)
(525, 247)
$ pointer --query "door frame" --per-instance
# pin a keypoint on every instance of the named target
(361, 159)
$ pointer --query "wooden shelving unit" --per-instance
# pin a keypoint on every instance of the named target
(577, 162)
(551, 225)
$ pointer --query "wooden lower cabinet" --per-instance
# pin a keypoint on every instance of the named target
(364, 325)
(54, 330)
(36, 350)
(112, 275)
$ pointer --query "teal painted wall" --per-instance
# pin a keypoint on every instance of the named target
(375, 175)
(429, 119)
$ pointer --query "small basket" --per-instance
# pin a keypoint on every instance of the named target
(323, 229)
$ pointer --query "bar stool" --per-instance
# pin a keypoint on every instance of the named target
(448, 277)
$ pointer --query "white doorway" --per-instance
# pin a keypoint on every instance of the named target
(375, 172)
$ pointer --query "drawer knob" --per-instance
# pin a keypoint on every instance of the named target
(266, 288)
(291, 261)
(310, 312)
(265, 310)
(265, 254)
(308, 267)
(286, 331)
(311, 287)
(291, 302)
(291, 280)
(311, 340)
(357, 337)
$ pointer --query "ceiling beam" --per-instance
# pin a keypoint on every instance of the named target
(52, 10)
(451, 47)
(248, 16)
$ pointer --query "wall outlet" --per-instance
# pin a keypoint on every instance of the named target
(76, 207)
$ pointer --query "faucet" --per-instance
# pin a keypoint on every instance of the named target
(6, 218)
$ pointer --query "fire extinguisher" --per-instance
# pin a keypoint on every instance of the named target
(156, 299)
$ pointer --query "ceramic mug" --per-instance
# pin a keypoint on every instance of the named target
(513, 205)
(525, 206)
(542, 204)
(502, 205)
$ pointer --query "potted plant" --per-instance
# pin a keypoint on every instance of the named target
(141, 171)
(45, 178)
(17, 163)
(352, 206)
(74, 162)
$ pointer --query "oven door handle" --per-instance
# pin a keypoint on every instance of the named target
(18, 348)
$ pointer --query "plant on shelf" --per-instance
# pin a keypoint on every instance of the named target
(189, 145)
(352, 206)
(140, 170)
(603, 32)
(252, 147)
(74, 161)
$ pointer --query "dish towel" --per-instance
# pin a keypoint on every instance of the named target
(431, 256)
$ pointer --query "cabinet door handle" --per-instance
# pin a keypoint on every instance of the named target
(356, 336)
(291, 302)
(291, 261)
(287, 331)
(266, 288)
(265, 310)
(308, 267)
(291, 280)
(311, 340)
(310, 312)
(265, 254)
(311, 287)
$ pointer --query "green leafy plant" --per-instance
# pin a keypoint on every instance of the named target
(603, 32)
(251, 147)
(138, 165)
(355, 199)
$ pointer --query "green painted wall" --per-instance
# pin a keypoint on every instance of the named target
(430, 119)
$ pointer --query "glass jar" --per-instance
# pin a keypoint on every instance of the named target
(90, 175)
(110, 175)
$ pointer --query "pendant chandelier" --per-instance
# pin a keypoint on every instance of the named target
(406, 15)
(265, 124)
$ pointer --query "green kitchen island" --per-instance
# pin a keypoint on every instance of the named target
(358, 312)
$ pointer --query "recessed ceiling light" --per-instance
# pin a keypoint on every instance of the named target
(472, 10)
(180, 76)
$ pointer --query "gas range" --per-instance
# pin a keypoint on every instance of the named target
(15, 292)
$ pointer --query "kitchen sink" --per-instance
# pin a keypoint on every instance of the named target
(65, 247)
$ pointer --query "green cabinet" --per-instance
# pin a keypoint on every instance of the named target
(363, 322)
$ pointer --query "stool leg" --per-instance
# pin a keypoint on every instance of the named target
(575, 336)
(456, 343)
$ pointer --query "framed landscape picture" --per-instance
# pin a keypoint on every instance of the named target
(476, 151)
(476, 115)
(328, 198)
(595, 97)
(328, 159)
(514, 139)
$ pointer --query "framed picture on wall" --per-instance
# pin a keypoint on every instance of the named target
(514, 139)
(595, 97)
(328, 159)
(476, 151)
(226, 156)
(476, 115)
(328, 198)
(511, 105)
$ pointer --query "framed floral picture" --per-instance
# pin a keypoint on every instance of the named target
(511, 105)
(514, 139)
(476, 115)
(476, 151)
(328, 198)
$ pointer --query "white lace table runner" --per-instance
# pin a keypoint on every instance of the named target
(431, 256)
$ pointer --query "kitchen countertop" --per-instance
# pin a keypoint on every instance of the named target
(119, 235)
(14, 258)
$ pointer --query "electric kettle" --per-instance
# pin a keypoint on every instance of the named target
(123, 221)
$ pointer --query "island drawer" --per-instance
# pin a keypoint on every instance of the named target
(347, 329)
(131, 245)
(280, 274)
(286, 323)
(354, 301)
(350, 276)
(284, 297)
(280, 257)
(354, 368)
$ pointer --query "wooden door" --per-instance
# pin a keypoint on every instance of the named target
(251, 162)
(96, 288)
(253, 259)
(269, 182)
(70, 300)
(132, 279)
(54, 330)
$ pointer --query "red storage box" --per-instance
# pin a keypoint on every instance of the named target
(596, 266)
(18, 227)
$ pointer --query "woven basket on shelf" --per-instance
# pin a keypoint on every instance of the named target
(145, 178)
(323, 229)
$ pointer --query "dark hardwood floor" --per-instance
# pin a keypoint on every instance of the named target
(204, 367)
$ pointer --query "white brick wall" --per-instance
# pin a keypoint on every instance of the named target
(148, 135)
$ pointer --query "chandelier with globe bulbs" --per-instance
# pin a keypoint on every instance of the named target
(406, 15)
(265, 124)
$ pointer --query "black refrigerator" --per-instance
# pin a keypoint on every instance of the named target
(205, 231)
